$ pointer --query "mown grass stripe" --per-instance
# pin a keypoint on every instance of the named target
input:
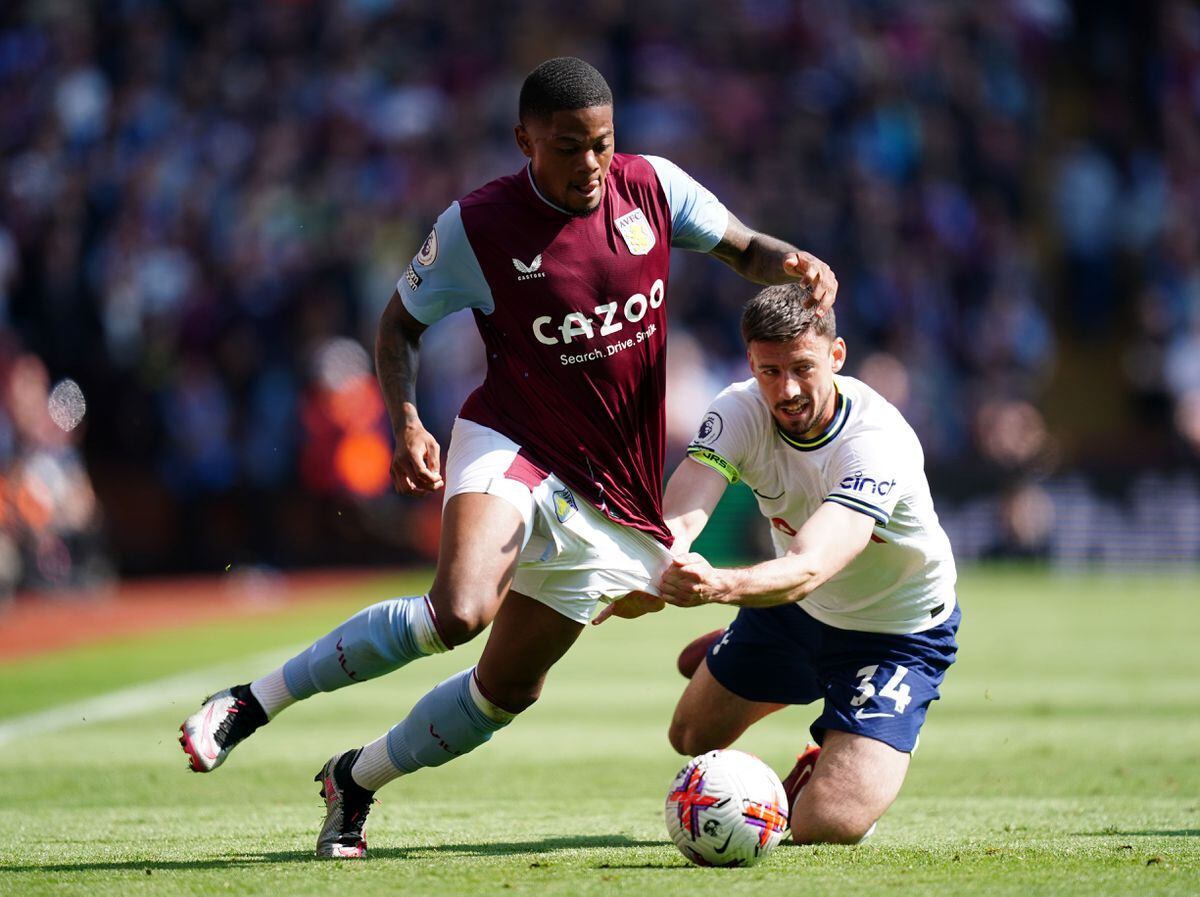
(132, 701)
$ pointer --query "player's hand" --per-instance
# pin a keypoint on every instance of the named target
(691, 581)
(630, 607)
(416, 465)
(818, 275)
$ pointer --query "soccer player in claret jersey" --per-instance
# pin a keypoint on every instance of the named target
(858, 607)
(553, 479)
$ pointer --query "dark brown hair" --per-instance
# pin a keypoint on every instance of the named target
(778, 315)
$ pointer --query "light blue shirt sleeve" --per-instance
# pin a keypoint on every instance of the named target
(445, 276)
(698, 219)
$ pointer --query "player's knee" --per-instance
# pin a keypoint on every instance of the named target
(516, 698)
(830, 823)
(510, 691)
(459, 621)
(687, 738)
(459, 628)
(830, 831)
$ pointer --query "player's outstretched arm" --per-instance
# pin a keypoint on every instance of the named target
(416, 464)
(766, 260)
(831, 538)
(692, 492)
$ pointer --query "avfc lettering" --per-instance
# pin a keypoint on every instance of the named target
(859, 483)
(577, 325)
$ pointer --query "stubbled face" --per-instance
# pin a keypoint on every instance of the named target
(570, 153)
(796, 379)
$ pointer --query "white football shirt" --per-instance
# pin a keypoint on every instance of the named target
(868, 459)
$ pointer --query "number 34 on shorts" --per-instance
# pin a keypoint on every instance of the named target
(890, 699)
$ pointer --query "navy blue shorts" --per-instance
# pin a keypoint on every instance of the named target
(874, 684)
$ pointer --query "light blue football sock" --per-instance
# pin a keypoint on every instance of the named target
(376, 640)
(452, 720)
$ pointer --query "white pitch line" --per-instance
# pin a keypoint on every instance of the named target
(136, 699)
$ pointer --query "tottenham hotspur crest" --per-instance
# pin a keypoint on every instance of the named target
(636, 232)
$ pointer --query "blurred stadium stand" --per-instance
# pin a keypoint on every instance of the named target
(204, 206)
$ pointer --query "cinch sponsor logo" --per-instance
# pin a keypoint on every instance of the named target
(859, 483)
(577, 325)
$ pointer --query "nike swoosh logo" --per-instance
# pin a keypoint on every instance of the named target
(861, 715)
(767, 497)
(208, 722)
(724, 847)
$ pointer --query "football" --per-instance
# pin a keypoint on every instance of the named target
(726, 808)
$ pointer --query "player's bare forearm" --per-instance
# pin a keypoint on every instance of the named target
(784, 580)
(830, 539)
(755, 256)
(691, 495)
(416, 463)
(396, 353)
(691, 581)
(767, 260)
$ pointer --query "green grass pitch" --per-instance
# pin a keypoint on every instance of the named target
(1063, 759)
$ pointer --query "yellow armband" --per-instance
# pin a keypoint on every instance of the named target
(715, 461)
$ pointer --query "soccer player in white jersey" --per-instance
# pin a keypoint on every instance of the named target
(858, 606)
(553, 481)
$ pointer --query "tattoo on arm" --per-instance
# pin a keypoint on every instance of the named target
(755, 256)
(396, 351)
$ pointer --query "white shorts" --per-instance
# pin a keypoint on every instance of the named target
(573, 556)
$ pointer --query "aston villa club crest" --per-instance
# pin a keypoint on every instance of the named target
(564, 505)
(636, 232)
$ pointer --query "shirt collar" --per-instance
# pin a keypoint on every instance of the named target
(540, 195)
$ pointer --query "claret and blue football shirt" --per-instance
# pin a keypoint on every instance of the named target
(572, 311)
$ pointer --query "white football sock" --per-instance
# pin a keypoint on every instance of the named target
(272, 692)
(374, 768)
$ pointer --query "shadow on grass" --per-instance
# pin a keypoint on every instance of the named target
(501, 848)
(1163, 833)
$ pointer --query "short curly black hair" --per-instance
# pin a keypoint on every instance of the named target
(564, 82)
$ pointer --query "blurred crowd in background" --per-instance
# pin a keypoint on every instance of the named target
(204, 207)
